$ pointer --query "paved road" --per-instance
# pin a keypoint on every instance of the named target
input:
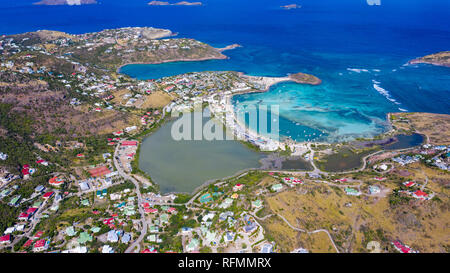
(34, 221)
(426, 181)
(135, 244)
(311, 160)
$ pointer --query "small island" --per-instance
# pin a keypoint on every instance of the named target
(65, 2)
(440, 59)
(305, 78)
(182, 3)
(291, 6)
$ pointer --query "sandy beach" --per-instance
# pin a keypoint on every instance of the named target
(231, 120)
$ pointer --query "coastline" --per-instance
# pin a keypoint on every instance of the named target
(420, 61)
(438, 59)
(247, 134)
(216, 180)
(229, 110)
(253, 133)
(268, 82)
(175, 60)
(237, 125)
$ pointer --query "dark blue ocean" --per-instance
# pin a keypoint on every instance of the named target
(359, 51)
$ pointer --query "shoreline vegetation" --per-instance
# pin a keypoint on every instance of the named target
(182, 3)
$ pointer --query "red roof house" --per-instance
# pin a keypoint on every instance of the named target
(56, 181)
(297, 181)
(108, 221)
(48, 195)
(130, 143)
(171, 210)
(5, 239)
(42, 162)
(40, 245)
(24, 216)
(153, 250)
(27, 243)
(150, 210)
(238, 187)
(100, 171)
(38, 235)
(401, 247)
(25, 172)
(31, 211)
(420, 194)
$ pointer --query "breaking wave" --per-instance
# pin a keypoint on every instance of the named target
(357, 70)
(383, 92)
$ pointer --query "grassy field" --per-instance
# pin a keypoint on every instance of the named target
(421, 224)
(157, 99)
(288, 239)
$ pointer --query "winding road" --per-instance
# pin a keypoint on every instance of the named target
(136, 243)
(310, 232)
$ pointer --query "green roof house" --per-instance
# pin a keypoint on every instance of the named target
(257, 204)
(70, 231)
(277, 187)
(37, 204)
(152, 237)
(84, 237)
(164, 218)
(95, 229)
(154, 229)
(193, 244)
(205, 198)
(14, 200)
(351, 191)
(226, 203)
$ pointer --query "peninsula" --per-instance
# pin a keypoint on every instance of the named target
(264, 83)
(111, 49)
(440, 59)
